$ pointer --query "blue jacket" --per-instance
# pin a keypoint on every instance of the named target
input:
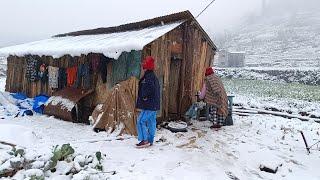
(149, 92)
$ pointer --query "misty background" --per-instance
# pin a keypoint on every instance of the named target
(24, 21)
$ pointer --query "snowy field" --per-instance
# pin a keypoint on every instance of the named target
(234, 152)
(287, 97)
(198, 154)
(303, 75)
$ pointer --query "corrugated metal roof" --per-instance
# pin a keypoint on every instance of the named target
(62, 103)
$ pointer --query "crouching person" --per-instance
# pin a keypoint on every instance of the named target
(149, 103)
(215, 96)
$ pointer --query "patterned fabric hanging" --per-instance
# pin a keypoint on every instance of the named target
(53, 77)
(31, 71)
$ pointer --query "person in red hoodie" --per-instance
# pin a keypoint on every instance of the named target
(149, 103)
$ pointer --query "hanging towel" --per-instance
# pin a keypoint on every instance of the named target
(83, 75)
(62, 78)
(32, 67)
(53, 77)
(95, 62)
(71, 75)
(103, 68)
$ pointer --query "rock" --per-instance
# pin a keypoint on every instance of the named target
(6, 170)
(60, 177)
(16, 163)
(81, 176)
(77, 167)
(35, 173)
(268, 169)
(64, 167)
(89, 160)
(81, 160)
(37, 164)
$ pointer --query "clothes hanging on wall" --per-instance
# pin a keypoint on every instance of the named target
(32, 68)
(53, 77)
(71, 75)
(43, 73)
(103, 68)
(95, 62)
(83, 74)
(127, 65)
(62, 78)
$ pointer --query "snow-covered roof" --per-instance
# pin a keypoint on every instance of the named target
(111, 45)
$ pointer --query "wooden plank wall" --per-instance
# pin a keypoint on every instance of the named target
(159, 51)
(196, 56)
(17, 82)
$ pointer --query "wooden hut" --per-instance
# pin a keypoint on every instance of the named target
(180, 46)
(231, 59)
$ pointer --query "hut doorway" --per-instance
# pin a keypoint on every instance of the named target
(174, 85)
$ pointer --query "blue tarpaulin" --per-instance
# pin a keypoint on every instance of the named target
(27, 104)
(39, 102)
(19, 96)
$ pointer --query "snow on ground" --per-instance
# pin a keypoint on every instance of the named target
(17, 134)
(307, 76)
(201, 153)
(288, 97)
(2, 84)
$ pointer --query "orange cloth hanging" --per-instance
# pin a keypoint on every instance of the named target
(72, 75)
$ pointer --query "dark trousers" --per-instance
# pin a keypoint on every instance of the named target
(214, 117)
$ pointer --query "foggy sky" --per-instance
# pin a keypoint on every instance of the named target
(29, 20)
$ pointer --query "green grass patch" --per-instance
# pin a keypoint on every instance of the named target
(268, 89)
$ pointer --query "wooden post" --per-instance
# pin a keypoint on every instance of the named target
(305, 142)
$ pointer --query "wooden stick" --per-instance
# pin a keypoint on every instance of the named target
(241, 114)
(285, 115)
(105, 172)
(8, 144)
(102, 140)
(305, 142)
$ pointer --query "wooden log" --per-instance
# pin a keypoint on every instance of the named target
(166, 72)
(183, 66)
(202, 65)
(8, 144)
(284, 115)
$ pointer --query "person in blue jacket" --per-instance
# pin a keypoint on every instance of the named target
(149, 103)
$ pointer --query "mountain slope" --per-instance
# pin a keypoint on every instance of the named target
(286, 40)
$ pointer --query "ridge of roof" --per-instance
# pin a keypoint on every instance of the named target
(180, 16)
(184, 15)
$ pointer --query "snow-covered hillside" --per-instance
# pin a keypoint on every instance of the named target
(3, 66)
(306, 75)
(279, 40)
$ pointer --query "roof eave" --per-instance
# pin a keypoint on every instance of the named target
(214, 47)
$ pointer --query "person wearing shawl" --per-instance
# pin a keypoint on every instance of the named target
(214, 94)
